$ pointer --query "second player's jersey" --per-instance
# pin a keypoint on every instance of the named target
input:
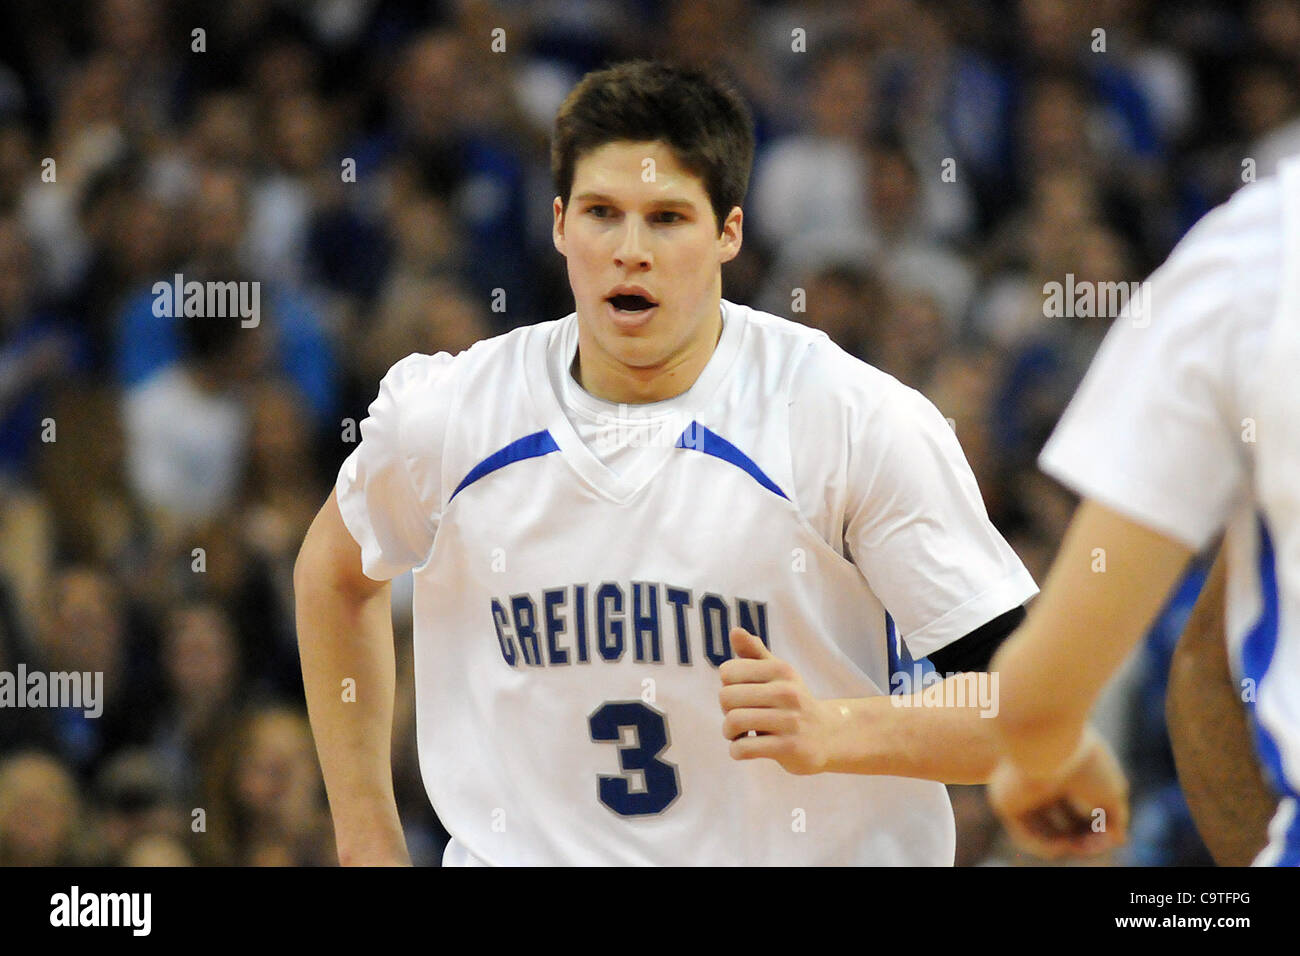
(1189, 423)
(570, 619)
(1271, 650)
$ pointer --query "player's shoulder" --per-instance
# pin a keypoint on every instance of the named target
(776, 337)
(1255, 206)
(422, 372)
(428, 390)
(831, 382)
(1244, 231)
(1219, 287)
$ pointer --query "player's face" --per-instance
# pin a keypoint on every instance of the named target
(639, 224)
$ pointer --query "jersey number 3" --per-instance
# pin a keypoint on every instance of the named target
(647, 785)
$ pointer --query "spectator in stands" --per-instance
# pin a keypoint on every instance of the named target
(265, 796)
(40, 812)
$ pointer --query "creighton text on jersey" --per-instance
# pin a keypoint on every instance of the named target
(609, 619)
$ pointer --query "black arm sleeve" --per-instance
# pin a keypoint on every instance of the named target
(974, 651)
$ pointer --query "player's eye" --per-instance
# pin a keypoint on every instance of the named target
(598, 211)
(675, 216)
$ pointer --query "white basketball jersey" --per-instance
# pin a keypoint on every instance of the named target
(1271, 649)
(1189, 423)
(570, 619)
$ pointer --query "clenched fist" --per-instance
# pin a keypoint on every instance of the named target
(764, 694)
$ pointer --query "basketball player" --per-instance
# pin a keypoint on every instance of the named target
(1187, 424)
(662, 547)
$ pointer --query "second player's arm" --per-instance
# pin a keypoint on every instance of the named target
(1108, 582)
(345, 630)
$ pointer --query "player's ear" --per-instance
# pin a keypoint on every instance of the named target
(557, 230)
(730, 238)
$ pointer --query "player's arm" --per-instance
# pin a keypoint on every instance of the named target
(912, 737)
(1226, 792)
(895, 735)
(951, 744)
(1059, 787)
(916, 528)
(345, 632)
(1153, 429)
(1110, 579)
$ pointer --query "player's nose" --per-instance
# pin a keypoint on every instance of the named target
(632, 249)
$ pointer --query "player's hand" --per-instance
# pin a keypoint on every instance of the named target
(762, 693)
(1081, 810)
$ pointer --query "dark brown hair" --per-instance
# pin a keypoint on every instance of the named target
(698, 114)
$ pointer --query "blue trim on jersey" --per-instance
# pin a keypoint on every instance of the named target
(891, 642)
(900, 658)
(530, 446)
(701, 439)
(1256, 657)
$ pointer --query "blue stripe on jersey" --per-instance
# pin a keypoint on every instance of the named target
(701, 439)
(900, 658)
(891, 642)
(1256, 657)
(530, 446)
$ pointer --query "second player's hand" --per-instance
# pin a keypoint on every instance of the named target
(762, 693)
(1081, 810)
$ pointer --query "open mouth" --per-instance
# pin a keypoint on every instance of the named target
(631, 303)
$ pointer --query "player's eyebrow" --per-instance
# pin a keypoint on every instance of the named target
(602, 197)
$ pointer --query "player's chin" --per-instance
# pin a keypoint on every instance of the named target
(640, 349)
(641, 365)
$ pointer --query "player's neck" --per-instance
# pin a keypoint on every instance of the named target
(602, 376)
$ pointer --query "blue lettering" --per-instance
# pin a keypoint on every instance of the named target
(717, 629)
(537, 638)
(680, 599)
(526, 629)
(747, 611)
(580, 625)
(502, 621)
(552, 600)
(646, 623)
(609, 629)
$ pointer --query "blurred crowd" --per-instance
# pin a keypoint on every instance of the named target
(381, 168)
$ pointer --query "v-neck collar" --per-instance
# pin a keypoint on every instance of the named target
(621, 488)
